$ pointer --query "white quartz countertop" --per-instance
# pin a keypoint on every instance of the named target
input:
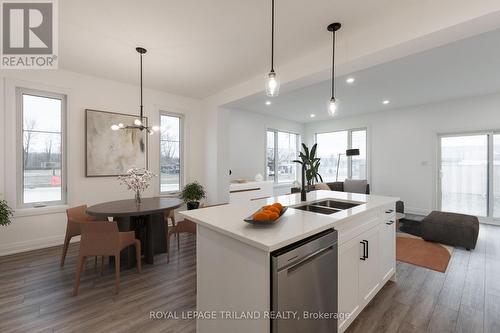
(293, 226)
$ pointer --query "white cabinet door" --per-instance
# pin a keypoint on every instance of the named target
(348, 286)
(387, 233)
(369, 269)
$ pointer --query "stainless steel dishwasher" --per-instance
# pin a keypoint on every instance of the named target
(304, 284)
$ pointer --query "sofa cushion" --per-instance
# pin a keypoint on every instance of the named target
(336, 186)
(355, 185)
(322, 186)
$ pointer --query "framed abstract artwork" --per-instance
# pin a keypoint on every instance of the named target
(111, 153)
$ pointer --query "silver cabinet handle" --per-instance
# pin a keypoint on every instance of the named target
(389, 223)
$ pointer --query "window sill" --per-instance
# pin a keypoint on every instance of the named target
(170, 194)
(279, 185)
(23, 212)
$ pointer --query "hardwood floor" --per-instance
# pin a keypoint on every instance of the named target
(35, 294)
(464, 299)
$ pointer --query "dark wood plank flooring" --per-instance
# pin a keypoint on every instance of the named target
(35, 294)
(464, 299)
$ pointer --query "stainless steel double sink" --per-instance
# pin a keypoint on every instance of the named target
(327, 206)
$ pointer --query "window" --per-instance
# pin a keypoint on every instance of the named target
(170, 152)
(282, 149)
(42, 148)
(358, 163)
(331, 149)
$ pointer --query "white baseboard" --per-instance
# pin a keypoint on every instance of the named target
(489, 220)
(35, 244)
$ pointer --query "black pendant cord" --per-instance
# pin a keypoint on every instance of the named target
(141, 90)
(333, 65)
(272, 36)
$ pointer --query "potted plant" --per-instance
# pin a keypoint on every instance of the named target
(192, 193)
(6, 213)
(311, 162)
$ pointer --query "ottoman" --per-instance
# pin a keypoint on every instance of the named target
(451, 229)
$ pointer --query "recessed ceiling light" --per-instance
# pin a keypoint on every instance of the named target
(268, 102)
(350, 80)
(312, 115)
(386, 101)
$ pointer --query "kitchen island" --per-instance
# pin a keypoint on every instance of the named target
(233, 257)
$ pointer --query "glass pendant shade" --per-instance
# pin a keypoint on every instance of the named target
(332, 106)
(272, 84)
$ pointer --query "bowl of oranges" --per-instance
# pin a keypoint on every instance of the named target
(267, 214)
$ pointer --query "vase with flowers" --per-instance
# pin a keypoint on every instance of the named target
(137, 180)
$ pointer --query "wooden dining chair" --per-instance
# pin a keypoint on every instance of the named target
(104, 239)
(170, 215)
(184, 226)
(75, 217)
(181, 227)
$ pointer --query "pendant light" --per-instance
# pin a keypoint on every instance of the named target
(138, 123)
(332, 104)
(272, 82)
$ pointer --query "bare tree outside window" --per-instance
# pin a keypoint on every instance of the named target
(29, 126)
(282, 149)
(170, 153)
(42, 136)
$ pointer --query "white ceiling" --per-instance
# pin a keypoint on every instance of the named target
(465, 68)
(199, 47)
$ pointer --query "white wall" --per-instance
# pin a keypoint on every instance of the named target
(247, 141)
(359, 51)
(404, 143)
(46, 226)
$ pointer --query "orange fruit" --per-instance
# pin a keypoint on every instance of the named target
(261, 216)
(278, 205)
(274, 209)
(274, 216)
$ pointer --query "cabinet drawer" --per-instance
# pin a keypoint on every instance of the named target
(351, 228)
(388, 212)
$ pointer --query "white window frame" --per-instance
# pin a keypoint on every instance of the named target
(20, 91)
(181, 151)
(490, 171)
(349, 146)
(276, 180)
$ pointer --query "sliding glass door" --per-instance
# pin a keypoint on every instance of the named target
(464, 174)
(496, 176)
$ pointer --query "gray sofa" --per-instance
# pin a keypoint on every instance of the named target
(354, 186)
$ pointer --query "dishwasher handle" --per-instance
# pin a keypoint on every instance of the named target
(296, 265)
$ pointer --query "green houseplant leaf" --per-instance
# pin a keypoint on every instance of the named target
(311, 162)
(192, 192)
(6, 213)
(312, 156)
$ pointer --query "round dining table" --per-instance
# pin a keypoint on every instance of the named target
(147, 220)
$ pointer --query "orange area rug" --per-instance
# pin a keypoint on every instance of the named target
(416, 251)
